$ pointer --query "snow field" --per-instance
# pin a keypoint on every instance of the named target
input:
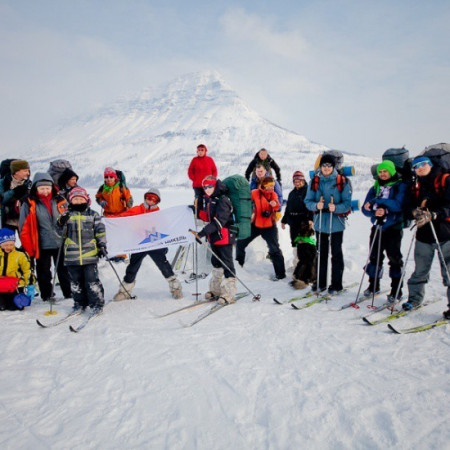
(251, 376)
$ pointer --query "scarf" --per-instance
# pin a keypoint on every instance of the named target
(47, 202)
(381, 183)
(109, 189)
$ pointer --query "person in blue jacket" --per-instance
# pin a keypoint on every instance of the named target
(260, 174)
(384, 204)
(331, 193)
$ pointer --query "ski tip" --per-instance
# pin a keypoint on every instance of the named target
(74, 330)
(293, 306)
(367, 321)
(277, 301)
(393, 329)
(40, 324)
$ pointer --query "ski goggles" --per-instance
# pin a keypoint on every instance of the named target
(326, 165)
(419, 164)
(208, 186)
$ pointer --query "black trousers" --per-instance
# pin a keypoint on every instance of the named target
(270, 235)
(337, 260)
(391, 240)
(44, 273)
(7, 301)
(87, 289)
(225, 253)
(158, 257)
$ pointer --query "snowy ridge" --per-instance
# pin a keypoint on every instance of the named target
(153, 137)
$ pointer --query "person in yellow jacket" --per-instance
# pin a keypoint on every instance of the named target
(15, 270)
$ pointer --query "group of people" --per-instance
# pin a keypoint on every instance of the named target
(55, 223)
(316, 215)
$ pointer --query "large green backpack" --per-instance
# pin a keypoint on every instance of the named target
(240, 196)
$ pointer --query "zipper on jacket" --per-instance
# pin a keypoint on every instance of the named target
(79, 238)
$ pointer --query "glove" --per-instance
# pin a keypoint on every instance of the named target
(422, 217)
(102, 204)
(64, 218)
(101, 252)
(20, 191)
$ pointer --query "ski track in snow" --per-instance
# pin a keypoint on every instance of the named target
(254, 375)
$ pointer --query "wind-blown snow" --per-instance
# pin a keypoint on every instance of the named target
(251, 376)
(153, 136)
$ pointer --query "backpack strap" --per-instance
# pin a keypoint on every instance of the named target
(439, 183)
(315, 183)
(341, 181)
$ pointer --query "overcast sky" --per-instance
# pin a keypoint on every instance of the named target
(360, 76)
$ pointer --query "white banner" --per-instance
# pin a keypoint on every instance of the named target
(144, 232)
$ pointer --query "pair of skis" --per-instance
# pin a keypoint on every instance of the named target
(74, 329)
(206, 313)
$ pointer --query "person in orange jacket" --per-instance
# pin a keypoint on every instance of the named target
(265, 205)
(151, 200)
(113, 196)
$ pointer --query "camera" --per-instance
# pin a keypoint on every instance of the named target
(266, 213)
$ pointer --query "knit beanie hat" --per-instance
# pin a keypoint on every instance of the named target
(328, 159)
(209, 181)
(78, 191)
(419, 159)
(18, 164)
(110, 172)
(387, 165)
(7, 235)
(153, 194)
(298, 175)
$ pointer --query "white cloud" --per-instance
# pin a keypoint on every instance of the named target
(251, 28)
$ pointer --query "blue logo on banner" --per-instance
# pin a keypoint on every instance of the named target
(153, 236)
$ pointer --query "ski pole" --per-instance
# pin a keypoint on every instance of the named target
(256, 297)
(377, 275)
(319, 244)
(367, 261)
(441, 254)
(51, 300)
(120, 281)
(406, 262)
(196, 293)
(329, 243)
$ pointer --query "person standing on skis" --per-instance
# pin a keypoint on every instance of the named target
(384, 205)
(329, 196)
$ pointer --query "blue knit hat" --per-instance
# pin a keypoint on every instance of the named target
(419, 159)
(7, 235)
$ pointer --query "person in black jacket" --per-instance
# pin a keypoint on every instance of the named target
(14, 190)
(296, 211)
(430, 207)
(219, 215)
(263, 157)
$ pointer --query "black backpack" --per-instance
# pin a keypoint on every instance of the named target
(5, 167)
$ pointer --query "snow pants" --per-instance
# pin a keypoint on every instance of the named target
(225, 253)
(44, 273)
(391, 241)
(270, 235)
(87, 289)
(337, 260)
(159, 258)
(7, 300)
(423, 259)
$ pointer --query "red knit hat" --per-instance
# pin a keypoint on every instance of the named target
(298, 175)
(78, 191)
(110, 172)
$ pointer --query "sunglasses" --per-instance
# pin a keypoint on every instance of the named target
(419, 165)
(327, 165)
(208, 186)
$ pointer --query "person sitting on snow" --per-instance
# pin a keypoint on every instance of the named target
(151, 200)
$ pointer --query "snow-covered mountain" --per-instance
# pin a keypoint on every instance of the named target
(153, 136)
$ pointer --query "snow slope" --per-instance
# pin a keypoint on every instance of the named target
(152, 137)
(252, 376)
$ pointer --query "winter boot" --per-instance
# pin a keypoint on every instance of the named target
(175, 287)
(447, 314)
(298, 284)
(228, 291)
(124, 292)
(395, 282)
(214, 284)
(369, 291)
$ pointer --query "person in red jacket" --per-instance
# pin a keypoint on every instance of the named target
(151, 200)
(201, 166)
(265, 205)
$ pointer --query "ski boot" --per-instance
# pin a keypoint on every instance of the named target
(214, 284)
(124, 292)
(175, 287)
(227, 291)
